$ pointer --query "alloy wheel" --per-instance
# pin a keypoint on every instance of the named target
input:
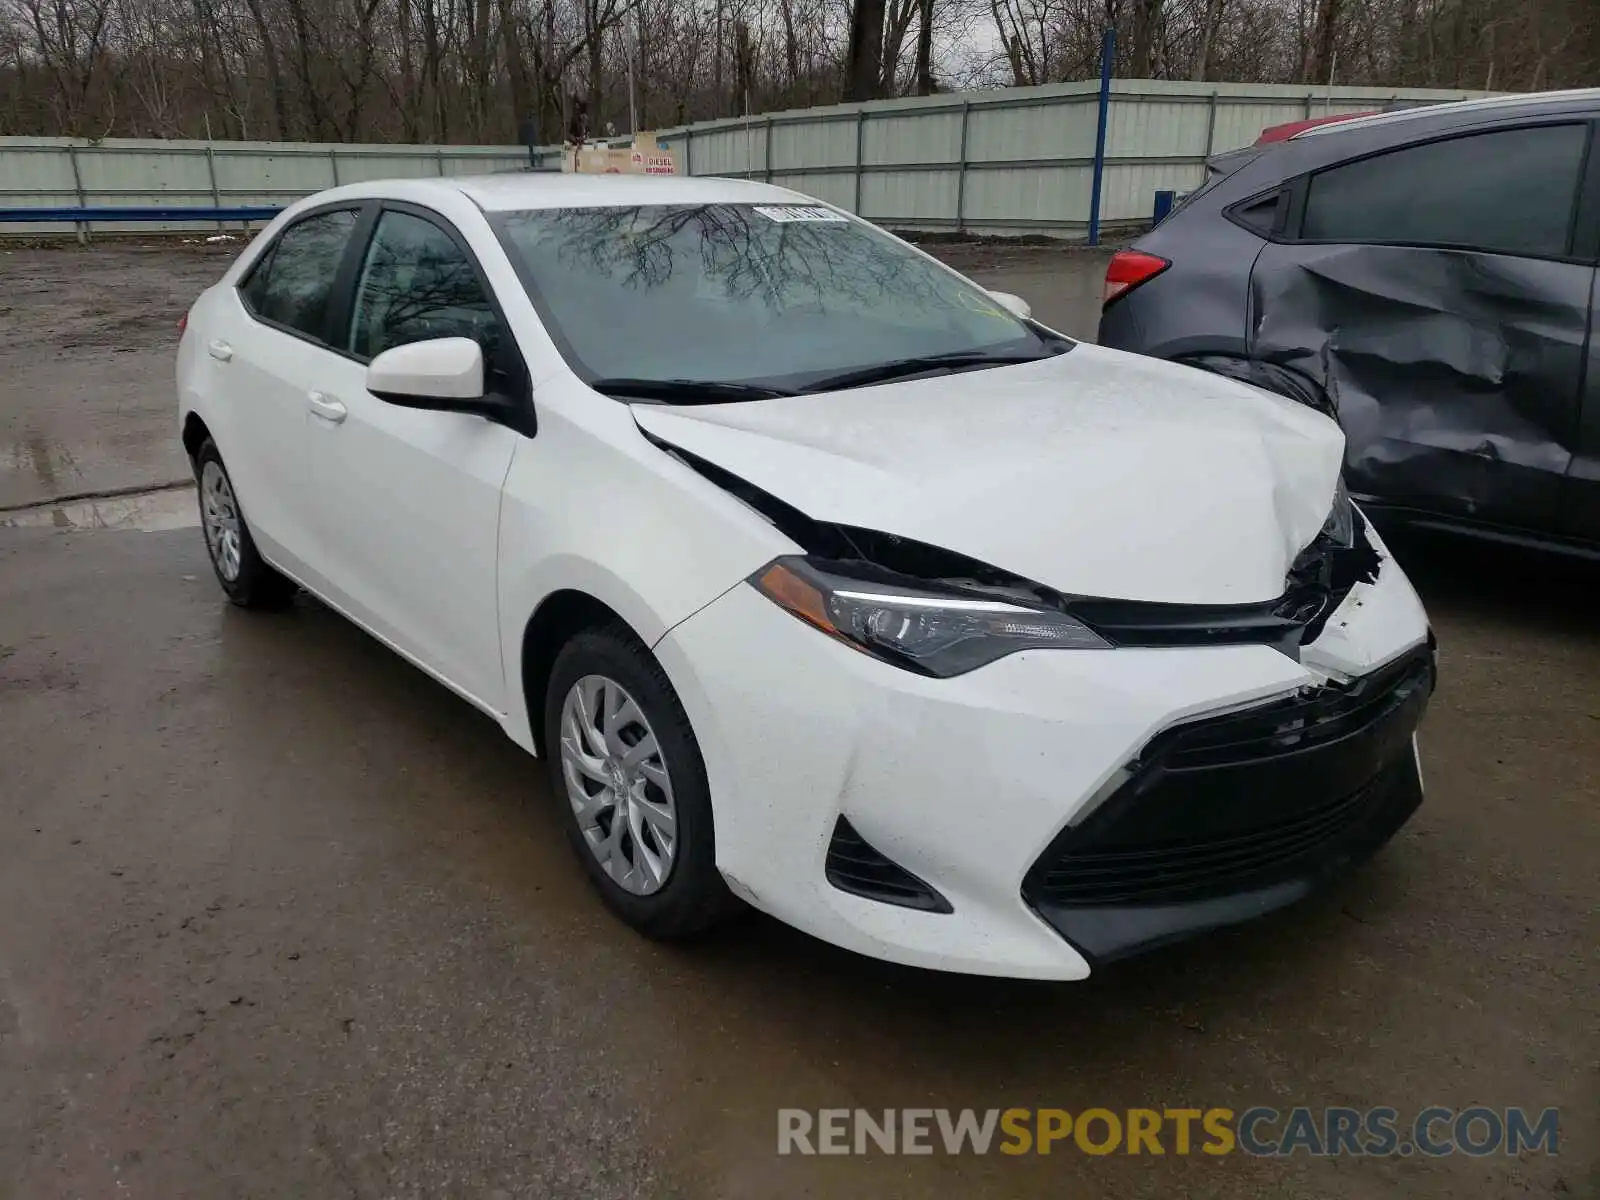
(618, 785)
(219, 513)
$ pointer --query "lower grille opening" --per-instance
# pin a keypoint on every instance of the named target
(1186, 871)
(1251, 799)
(854, 866)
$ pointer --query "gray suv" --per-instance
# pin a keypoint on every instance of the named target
(1426, 276)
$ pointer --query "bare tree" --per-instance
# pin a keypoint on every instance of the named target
(925, 83)
(442, 70)
(864, 65)
(1324, 44)
(69, 39)
(1210, 18)
(1147, 20)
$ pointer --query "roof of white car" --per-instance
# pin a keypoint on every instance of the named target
(536, 189)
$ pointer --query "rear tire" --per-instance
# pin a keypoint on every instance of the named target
(631, 785)
(244, 575)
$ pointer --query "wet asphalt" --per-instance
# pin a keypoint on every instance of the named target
(281, 917)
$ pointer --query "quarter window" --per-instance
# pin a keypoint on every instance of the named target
(1258, 216)
(418, 284)
(292, 284)
(1510, 192)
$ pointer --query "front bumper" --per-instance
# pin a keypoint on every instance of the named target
(1224, 818)
(1005, 789)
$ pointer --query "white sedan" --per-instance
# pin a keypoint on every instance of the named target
(823, 579)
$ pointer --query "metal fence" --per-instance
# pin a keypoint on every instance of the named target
(128, 172)
(1013, 161)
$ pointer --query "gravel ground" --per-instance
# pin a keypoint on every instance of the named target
(281, 917)
(86, 393)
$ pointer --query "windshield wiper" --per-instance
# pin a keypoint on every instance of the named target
(686, 391)
(899, 368)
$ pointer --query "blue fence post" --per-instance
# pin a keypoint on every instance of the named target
(1108, 54)
(1165, 199)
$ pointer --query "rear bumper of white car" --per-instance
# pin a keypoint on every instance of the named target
(1055, 809)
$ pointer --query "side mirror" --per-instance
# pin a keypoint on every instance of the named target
(1015, 305)
(444, 374)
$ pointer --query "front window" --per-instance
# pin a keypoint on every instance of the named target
(418, 284)
(786, 297)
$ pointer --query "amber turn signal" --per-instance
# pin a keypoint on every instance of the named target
(783, 587)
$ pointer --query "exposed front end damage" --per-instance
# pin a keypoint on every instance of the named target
(1318, 580)
(1218, 762)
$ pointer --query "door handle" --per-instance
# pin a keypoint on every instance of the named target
(327, 408)
(219, 349)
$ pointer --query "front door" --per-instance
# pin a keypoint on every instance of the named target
(410, 499)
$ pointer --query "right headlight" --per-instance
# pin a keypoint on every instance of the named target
(924, 630)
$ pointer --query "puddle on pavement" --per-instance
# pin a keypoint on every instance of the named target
(146, 512)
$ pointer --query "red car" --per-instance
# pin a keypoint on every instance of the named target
(1282, 133)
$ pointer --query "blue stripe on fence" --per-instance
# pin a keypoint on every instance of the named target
(79, 215)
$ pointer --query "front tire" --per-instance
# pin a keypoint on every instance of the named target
(631, 784)
(240, 569)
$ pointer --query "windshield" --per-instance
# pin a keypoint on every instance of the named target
(780, 297)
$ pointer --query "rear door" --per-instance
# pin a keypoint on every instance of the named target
(1434, 290)
(270, 344)
(410, 499)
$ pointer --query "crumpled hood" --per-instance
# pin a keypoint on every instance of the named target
(1095, 472)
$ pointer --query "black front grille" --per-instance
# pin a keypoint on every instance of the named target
(1183, 871)
(1246, 800)
(856, 867)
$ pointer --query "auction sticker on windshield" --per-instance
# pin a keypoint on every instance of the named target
(800, 212)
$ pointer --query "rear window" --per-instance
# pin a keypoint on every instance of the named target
(1509, 191)
(291, 284)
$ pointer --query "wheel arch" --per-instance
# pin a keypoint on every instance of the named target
(559, 616)
(195, 433)
(559, 595)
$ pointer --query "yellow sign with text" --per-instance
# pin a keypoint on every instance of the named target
(1134, 1131)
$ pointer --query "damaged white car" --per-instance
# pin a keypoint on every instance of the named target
(823, 579)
